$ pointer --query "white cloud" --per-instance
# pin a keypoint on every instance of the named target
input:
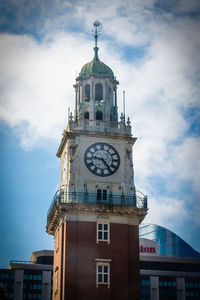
(164, 211)
(37, 88)
(37, 84)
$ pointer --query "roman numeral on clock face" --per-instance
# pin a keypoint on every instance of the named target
(102, 159)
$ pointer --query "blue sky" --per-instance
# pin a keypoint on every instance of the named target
(153, 48)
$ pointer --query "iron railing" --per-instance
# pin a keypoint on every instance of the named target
(90, 198)
(101, 126)
(24, 262)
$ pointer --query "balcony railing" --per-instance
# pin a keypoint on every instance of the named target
(92, 198)
(24, 262)
(101, 126)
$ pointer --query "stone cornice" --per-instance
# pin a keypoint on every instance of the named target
(89, 212)
(74, 133)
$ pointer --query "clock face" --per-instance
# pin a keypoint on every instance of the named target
(102, 159)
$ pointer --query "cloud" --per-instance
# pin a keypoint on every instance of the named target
(37, 84)
(164, 210)
(161, 86)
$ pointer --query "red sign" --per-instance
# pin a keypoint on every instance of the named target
(151, 250)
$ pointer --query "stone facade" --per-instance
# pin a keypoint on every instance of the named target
(96, 259)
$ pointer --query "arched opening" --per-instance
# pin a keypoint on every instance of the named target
(98, 92)
(99, 115)
(86, 115)
(110, 94)
(87, 92)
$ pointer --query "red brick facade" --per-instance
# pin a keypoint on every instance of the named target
(76, 266)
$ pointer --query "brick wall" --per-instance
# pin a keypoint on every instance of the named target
(78, 253)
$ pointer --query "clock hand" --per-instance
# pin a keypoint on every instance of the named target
(106, 163)
(102, 159)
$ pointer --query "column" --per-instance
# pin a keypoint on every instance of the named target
(154, 287)
(18, 285)
(180, 282)
(46, 285)
(115, 96)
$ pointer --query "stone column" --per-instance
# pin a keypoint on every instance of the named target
(154, 287)
(180, 282)
(18, 284)
(46, 285)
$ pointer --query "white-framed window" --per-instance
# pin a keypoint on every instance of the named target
(103, 231)
(103, 272)
(56, 280)
(57, 240)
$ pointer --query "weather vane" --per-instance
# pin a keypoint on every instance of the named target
(96, 32)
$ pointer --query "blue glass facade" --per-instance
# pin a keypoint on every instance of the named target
(169, 243)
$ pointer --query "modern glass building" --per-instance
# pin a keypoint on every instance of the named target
(169, 243)
(172, 270)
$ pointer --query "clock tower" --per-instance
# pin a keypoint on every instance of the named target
(95, 214)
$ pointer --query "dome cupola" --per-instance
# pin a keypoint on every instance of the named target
(96, 67)
(96, 90)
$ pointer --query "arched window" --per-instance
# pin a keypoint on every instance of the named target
(110, 94)
(98, 92)
(87, 92)
(99, 115)
(86, 115)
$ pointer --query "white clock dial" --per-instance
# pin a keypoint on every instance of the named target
(102, 159)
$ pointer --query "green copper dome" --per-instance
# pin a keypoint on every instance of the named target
(96, 68)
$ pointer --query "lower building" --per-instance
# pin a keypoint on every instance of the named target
(161, 277)
(169, 243)
(165, 271)
(169, 278)
(29, 280)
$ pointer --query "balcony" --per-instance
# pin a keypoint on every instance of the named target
(109, 201)
(100, 126)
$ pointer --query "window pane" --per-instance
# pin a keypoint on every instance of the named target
(105, 269)
(99, 277)
(87, 92)
(98, 194)
(105, 226)
(100, 235)
(99, 269)
(105, 278)
(100, 227)
(86, 115)
(105, 236)
(99, 116)
(98, 92)
(104, 195)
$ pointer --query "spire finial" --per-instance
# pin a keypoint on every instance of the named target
(96, 35)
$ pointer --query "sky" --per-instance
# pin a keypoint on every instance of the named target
(153, 49)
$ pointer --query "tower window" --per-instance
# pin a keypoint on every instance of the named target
(87, 92)
(103, 231)
(57, 240)
(98, 92)
(56, 280)
(86, 115)
(103, 272)
(110, 94)
(101, 195)
(99, 115)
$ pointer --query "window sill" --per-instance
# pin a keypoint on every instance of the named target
(102, 283)
(105, 241)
